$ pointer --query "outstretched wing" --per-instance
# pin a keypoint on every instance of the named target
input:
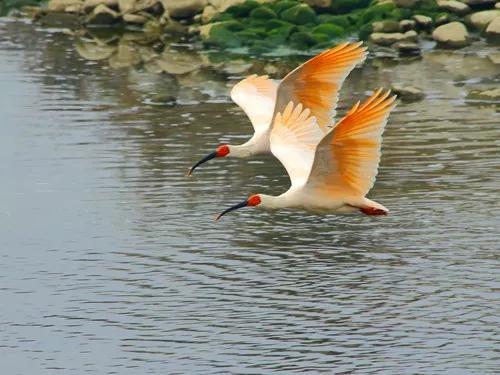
(294, 137)
(317, 82)
(256, 95)
(347, 158)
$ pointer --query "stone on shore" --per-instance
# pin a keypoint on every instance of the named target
(62, 5)
(126, 6)
(138, 19)
(408, 93)
(453, 34)
(386, 39)
(479, 3)
(480, 20)
(179, 9)
(454, 6)
(88, 5)
(385, 26)
(423, 22)
(493, 30)
(405, 25)
(102, 16)
(408, 49)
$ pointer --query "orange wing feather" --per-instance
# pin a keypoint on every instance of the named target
(347, 158)
(316, 83)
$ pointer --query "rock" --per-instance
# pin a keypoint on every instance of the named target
(61, 5)
(423, 21)
(493, 94)
(385, 26)
(222, 5)
(185, 8)
(497, 5)
(138, 19)
(408, 93)
(94, 51)
(102, 16)
(408, 49)
(126, 6)
(406, 3)
(205, 30)
(493, 30)
(405, 25)
(386, 39)
(442, 19)
(178, 62)
(209, 12)
(479, 3)
(320, 4)
(299, 14)
(453, 34)
(453, 6)
(88, 5)
(480, 20)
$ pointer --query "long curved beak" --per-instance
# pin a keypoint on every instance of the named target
(232, 208)
(204, 160)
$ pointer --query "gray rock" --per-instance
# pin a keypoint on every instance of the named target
(493, 30)
(454, 6)
(386, 39)
(385, 27)
(453, 34)
(408, 93)
(408, 49)
(423, 21)
(102, 16)
(185, 8)
(405, 25)
(208, 13)
(480, 20)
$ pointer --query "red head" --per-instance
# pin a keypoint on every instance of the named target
(220, 152)
(253, 200)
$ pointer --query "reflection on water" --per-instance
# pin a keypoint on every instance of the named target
(111, 262)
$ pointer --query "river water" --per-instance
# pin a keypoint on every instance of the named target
(111, 262)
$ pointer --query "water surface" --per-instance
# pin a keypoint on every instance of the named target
(111, 261)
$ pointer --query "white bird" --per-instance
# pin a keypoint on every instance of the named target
(330, 172)
(315, 84)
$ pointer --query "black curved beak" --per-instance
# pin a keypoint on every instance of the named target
(232, 208)
(204, 160)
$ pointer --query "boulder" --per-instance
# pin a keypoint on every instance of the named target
(493, 30)
(126, 6)
(61, 5)
(222, 5)
(405, 25)
(138, 19)
(408, 93)
(453, 34)
(497, 5)
(88, 5)
(385, 26)
(386, 39)
(102, 16)
(320, 4)
(480, 20)
(479, 3)
(453, 6)
(408, 49)
(423, 22)
(209, 12)
(179, 9)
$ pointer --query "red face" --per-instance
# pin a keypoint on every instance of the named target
(222, 151)
(254, 200)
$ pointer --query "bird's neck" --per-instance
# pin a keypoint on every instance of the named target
(274, 202)
(258, 144)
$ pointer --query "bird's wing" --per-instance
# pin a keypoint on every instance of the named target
(316, 83)
(347, 158)
(256, 95)
(294, 137)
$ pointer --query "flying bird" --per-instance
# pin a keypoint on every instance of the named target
(329, 172)
(315, 84)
